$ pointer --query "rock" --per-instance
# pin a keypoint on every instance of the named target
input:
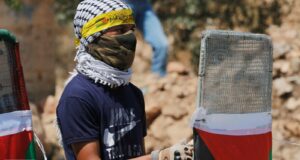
(177, 68)
(159, 125)
(48, 121)
(291, 34)
(296, 115)
(282, 86)
(38, 126)
(165, 132)
(293, 54)
(175, 111)
(151, 143)
(282, 66)
(50, 105)
(275, 113)
(277, 103)
(280, 49)
(51, 139)
(178, 91)
(179, 131)
(295, 65)
(152, 113)
(36, 122)
(143, 49)
(293, 127)
(292, 104)
(296, 92)
(33, 109)
(294, 79)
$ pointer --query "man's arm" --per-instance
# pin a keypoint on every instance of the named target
(90, 151)
(87, 150)
(146, 157)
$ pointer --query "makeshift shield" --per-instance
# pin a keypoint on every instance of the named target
(233, 120)
(16, 136)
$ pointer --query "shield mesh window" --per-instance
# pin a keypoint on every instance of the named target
(235, 70)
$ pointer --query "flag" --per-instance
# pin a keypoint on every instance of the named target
(235, 136)
(16, 135)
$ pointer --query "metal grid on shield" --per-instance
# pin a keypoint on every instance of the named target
(235, 72)
(7, 98)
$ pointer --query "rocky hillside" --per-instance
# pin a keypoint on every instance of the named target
(286, 86)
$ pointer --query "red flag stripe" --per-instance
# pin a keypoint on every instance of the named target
(20, 83)
(15, 146)
(226, 147)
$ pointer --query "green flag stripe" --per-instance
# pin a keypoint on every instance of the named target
(30, 153)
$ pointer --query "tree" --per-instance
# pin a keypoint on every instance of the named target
(14, 4)
(65, 9)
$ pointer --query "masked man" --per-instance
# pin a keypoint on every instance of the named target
(101, 115)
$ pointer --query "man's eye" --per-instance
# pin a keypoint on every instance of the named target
(120, 30)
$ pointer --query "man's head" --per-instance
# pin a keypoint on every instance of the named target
(93, 18)
(103, 28)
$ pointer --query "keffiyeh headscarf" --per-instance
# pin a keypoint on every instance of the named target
(92, 18)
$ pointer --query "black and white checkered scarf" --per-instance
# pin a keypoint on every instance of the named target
(86, 64)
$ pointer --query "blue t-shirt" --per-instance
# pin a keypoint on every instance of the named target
(116, 117)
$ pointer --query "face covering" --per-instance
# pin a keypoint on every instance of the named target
(117, 51)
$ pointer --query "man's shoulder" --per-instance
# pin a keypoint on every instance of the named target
(77, 83)
(80, 92)
(81, 87)
(135, 88)
(137, 92)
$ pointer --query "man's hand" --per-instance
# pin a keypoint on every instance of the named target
(175, 152)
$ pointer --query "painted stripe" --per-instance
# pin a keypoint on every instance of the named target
(16, 146)
(233, 124)
(15, 122)
(226, 147)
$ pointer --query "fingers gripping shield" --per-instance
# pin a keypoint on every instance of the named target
(176, 152)
(234, 96)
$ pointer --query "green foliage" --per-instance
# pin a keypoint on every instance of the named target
(65, 9)
(185, 20)
(14, 4)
